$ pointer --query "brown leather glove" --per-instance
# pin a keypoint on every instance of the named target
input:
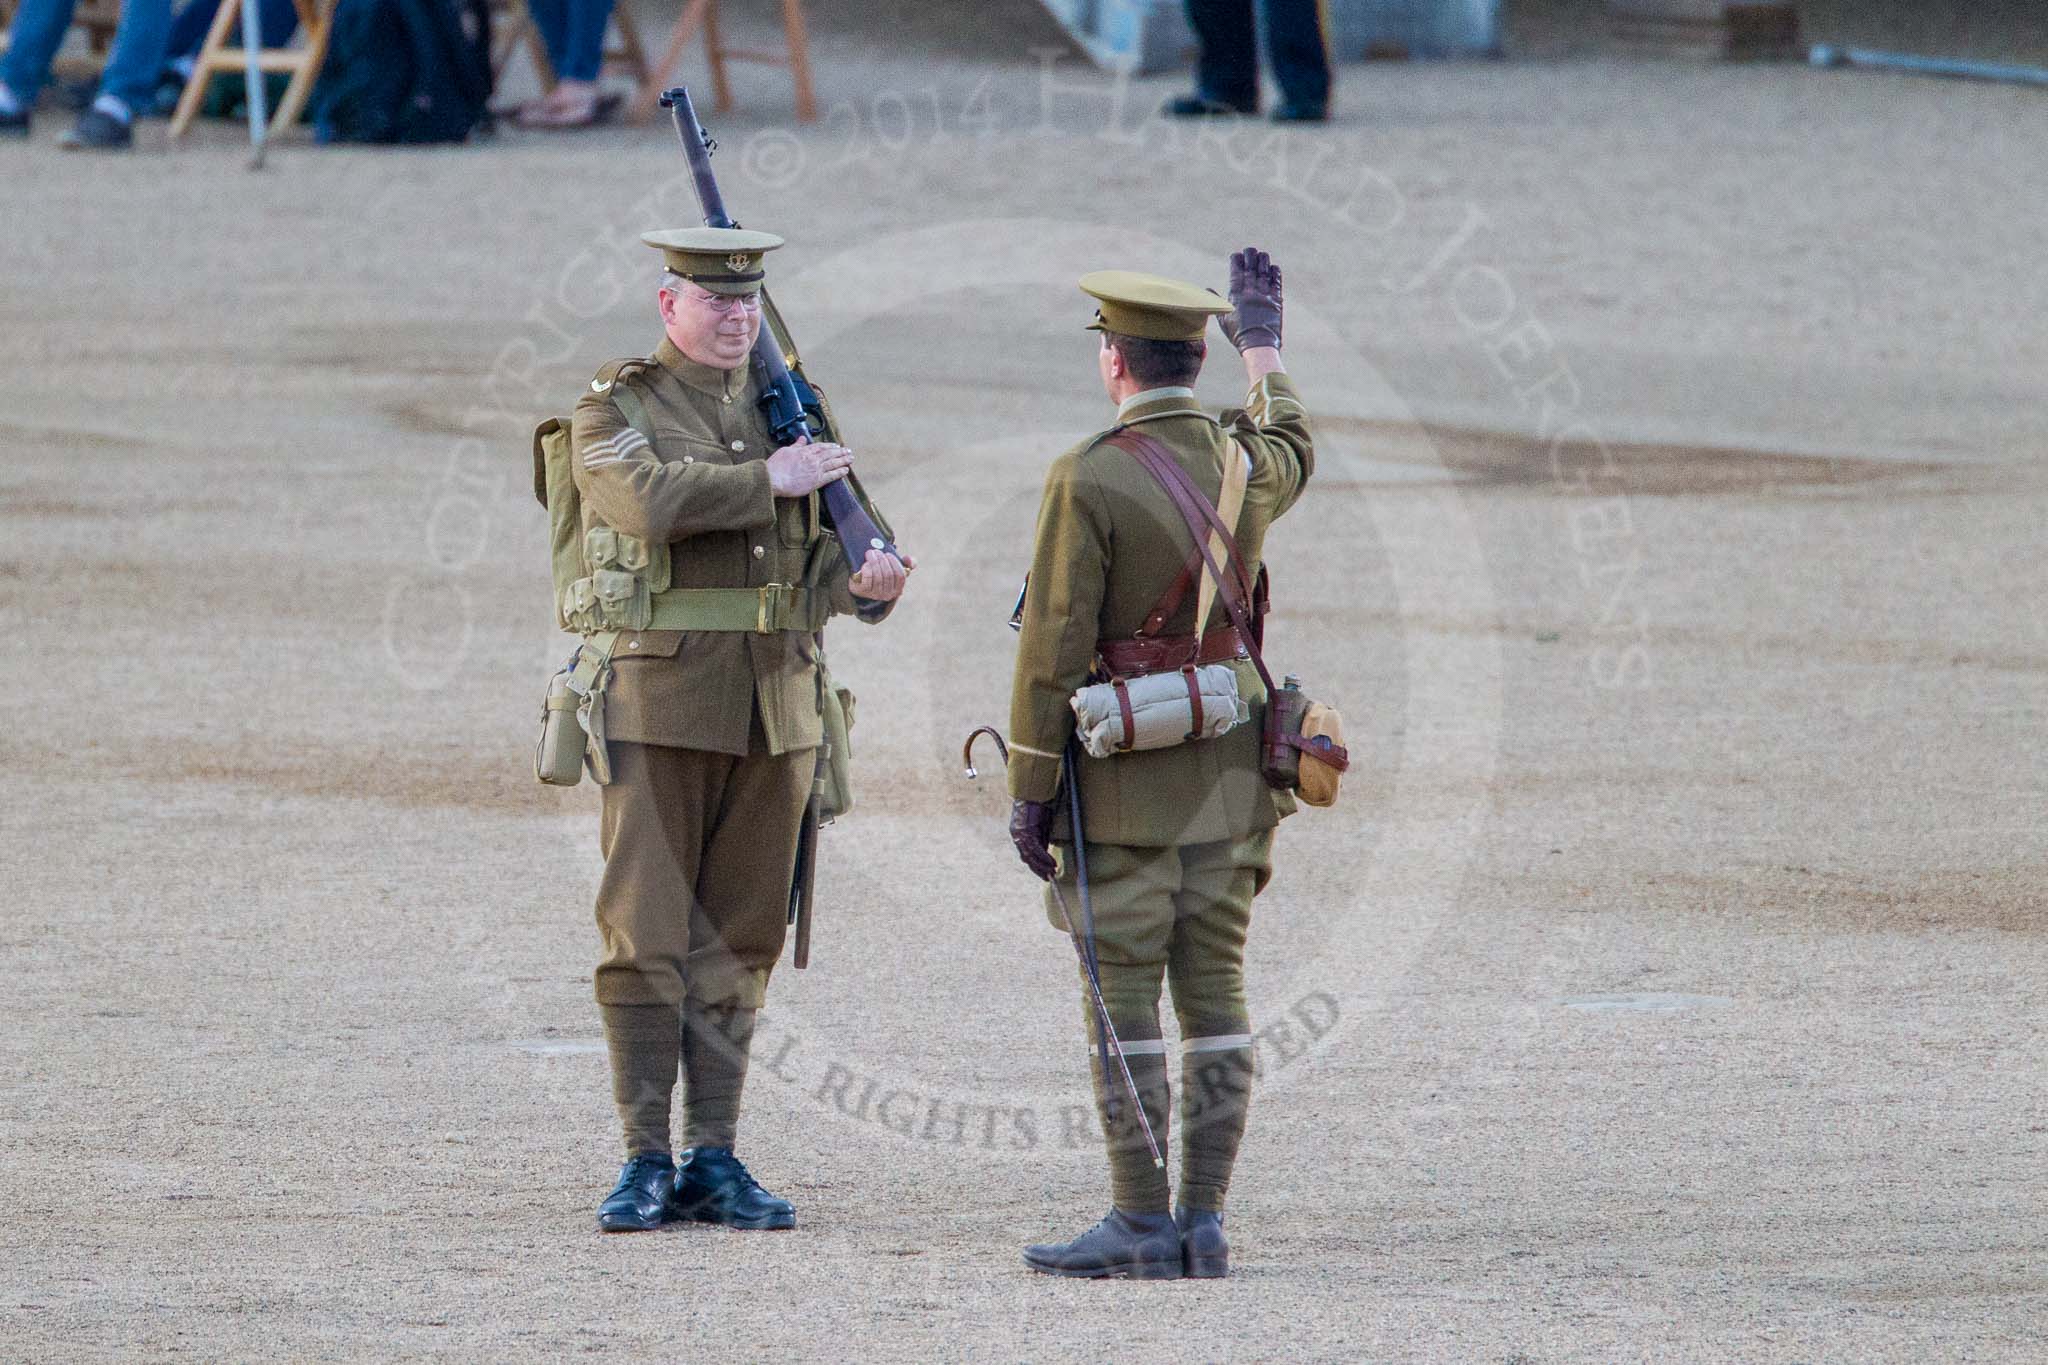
(1254, 319)
(1031, 832)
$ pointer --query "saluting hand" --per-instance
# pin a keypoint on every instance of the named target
(806, 467)
(882, 576)
(1254, 319)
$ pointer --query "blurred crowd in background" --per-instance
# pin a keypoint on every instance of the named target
(427, 70)
(423, 70)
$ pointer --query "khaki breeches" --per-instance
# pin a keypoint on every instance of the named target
(698, 852)
(1175, 916)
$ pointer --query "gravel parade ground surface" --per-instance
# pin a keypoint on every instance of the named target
(1669, 984)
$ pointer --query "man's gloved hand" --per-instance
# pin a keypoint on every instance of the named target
(1254, 300)
(1031, 832)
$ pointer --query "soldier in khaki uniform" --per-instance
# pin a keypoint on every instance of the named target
(1179, 839)
(712, 731)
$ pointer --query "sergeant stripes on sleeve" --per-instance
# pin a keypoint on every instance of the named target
(617, 448)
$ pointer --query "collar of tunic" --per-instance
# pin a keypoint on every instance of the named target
(703, 378)
(1147, 397)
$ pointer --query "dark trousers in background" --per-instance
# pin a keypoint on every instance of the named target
(1228, 69)
(574, 33)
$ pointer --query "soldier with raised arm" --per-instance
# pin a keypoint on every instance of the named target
(1179, 839)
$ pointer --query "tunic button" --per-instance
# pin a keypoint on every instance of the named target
(689, 459)
(632, 644)
(726, 400)
(739, 445)
(759, 551)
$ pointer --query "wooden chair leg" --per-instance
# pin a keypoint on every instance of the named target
(516, 25)
(224, 18)
(648, 99)
(629, 58)
(314, 21)
(798, 38)
(714, 50)
(537, 53)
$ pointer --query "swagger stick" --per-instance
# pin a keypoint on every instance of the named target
(1084, 948)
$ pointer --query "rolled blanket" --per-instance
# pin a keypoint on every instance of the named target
(1158, 710)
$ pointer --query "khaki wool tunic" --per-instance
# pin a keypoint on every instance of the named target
(712, 733)
(702, 484)
(1109, 543)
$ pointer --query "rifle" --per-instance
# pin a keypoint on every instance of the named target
(794, 410)
(796, 413)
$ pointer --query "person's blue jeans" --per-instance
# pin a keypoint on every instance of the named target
(277, 19)
(574, 33)
(132, 67)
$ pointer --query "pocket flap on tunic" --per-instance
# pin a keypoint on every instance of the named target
(648, 644)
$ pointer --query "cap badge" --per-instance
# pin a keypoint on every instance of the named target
(737, 262)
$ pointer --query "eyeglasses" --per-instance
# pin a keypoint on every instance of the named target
(725, 303)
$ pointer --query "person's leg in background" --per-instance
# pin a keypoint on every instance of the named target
(551, 21)
(1299, 50)
(127, 85)
(37, 33)
(574, 33)
(1227, 67)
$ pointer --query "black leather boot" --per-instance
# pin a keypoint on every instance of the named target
(1291, 112)
(1204, 1250)
(1199, 105)
(639, 1202)
(1138, 1246)
(713, 1187)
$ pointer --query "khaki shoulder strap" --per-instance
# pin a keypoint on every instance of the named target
(632, 409)
(1229, 506)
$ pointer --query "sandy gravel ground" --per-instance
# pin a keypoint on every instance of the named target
(1669, 987)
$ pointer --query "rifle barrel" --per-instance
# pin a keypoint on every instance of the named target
(697, 151)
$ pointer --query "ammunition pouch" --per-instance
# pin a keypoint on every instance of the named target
(623, 575)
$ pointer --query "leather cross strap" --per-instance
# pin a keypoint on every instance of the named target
(1233, 583)
(1232, 504)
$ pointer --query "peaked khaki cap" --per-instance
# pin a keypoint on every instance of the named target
(1151, 306)
(721, 260)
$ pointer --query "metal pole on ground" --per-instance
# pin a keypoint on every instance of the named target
(1824, 55)
(252, 75)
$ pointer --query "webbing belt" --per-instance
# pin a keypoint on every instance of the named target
(761, 611)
